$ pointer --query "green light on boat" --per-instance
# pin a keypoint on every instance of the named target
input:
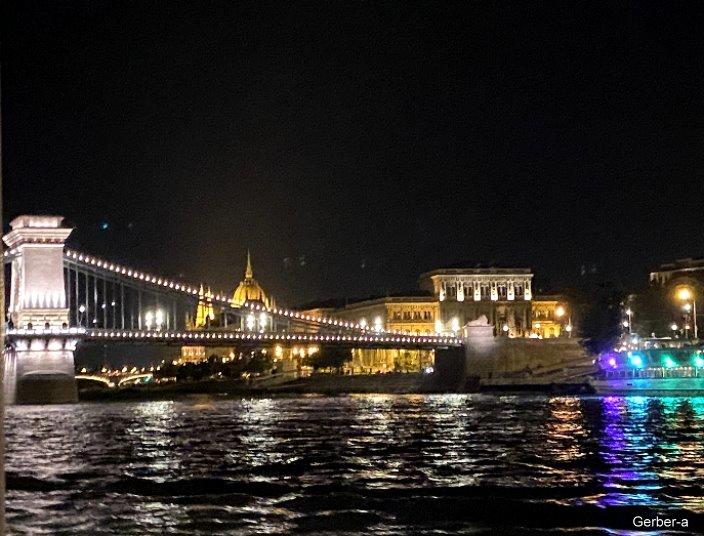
(635, 360)
(698, 361)
(668, 361)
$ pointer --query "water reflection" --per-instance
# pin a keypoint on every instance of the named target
(653, 450)
(371, 464)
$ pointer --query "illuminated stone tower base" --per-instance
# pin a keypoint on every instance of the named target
(40, 371)
(39, 367)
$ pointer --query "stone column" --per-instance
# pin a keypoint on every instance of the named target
(40, 363)
(510, 290)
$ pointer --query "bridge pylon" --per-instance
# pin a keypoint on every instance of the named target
(39, 370)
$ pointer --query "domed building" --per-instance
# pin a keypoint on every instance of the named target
(249, 290)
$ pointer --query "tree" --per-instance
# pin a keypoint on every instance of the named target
(259, 363)
(652, 311)
(330, 357)
(601, 313)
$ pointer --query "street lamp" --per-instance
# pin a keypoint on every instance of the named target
(686, 295)
(148, 317)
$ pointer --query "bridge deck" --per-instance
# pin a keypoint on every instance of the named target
(239, 338)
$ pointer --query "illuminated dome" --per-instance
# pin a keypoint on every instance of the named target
(249, 290)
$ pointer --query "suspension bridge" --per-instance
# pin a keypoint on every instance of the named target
(59, 298)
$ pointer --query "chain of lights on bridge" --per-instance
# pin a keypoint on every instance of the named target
(222, 300)
(217, 337)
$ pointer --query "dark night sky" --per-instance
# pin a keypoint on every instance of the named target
(354, 145)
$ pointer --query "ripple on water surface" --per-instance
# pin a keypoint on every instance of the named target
(381, 464)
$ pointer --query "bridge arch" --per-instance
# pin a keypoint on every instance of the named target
(94, 378)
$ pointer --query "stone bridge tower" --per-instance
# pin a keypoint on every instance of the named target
(40, 367)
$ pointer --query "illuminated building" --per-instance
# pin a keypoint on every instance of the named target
(682, 270)
(412, 314)
(249, 290)
(503, 295)
(451, 298)
(204, 310)
(683, 280)
(551, 317)
(192, 354)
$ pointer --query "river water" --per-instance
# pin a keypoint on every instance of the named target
(368, 464)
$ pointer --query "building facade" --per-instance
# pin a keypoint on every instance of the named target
(451, 298)
(679, 272)
(503, 295)
(550, 317)
(247, 290)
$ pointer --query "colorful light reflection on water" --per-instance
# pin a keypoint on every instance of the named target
(367, 464)
(651, 445)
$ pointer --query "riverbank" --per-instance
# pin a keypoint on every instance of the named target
(323, 384)
(326, 384)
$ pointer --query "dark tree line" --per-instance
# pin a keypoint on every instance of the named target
(214, 366)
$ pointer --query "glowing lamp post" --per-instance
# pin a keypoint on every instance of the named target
(628, 323)
(686, 295)
(560, 312)
(674, 328)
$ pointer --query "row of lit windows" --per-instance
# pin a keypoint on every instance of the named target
(412, 315)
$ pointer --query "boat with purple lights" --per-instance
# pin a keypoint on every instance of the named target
(660, 368)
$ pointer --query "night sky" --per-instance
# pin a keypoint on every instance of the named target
(352, 146)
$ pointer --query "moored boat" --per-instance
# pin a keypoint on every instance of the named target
(651, 372)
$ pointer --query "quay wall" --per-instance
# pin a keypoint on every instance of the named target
(525, 355)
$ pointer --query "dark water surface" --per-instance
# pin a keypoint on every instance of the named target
(369, 464)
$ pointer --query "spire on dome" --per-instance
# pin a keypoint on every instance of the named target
(249, 273)
(248, 289)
